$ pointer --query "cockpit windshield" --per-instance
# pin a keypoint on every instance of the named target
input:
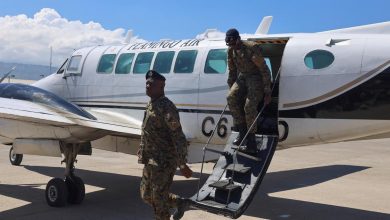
(37, 95)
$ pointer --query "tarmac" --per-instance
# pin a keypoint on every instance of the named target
(346, 180)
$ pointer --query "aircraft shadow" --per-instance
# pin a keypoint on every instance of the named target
(117, 196)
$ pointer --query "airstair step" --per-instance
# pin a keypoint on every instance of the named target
(225, 185)
(249, 156)
(240, 168)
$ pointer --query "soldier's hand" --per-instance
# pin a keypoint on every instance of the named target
(139, 152)
(139, 156)
(186, 171)
(267, 99)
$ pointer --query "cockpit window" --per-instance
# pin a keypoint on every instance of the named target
(37, 95)
(62, 68)
(319, 59)
(74, 63)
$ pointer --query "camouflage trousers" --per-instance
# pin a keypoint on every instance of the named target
(243, 99)
(155, 184)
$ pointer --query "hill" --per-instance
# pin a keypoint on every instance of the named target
(26, 71)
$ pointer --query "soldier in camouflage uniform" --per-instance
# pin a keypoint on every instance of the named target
(249, 81)
(163, 148)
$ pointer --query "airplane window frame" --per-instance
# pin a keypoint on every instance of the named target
(136, 62)
(62, 69)
(191, 64)
(167, 60)
(110, 67)
(318, 59)
(74, 64)
(125, 59)
(208, 67)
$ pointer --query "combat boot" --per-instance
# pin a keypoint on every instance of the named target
(241, 134)
(182, 206)
(251, 145)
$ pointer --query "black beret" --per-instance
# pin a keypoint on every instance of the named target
(154, 75)
(232, 32)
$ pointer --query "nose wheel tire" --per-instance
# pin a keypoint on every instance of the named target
(56, 192)
(15, 159)
(76, 189)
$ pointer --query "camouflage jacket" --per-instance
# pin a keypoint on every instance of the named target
(162, 140)
(248, 60)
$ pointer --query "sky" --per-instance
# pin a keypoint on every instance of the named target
(28, 29)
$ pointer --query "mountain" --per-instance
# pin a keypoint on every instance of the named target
(26, 71)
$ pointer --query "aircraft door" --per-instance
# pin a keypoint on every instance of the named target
(315, 69)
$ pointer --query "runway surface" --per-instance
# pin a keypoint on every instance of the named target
(348, 180)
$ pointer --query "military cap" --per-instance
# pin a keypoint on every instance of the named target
(154, 75)
(232, 32)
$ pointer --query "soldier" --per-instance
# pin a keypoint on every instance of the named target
(249, 80)
(163, 148)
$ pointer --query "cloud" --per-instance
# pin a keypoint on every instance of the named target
(28, 40)
(210, 33)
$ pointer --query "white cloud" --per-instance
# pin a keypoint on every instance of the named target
(28, 40)
(211, 33)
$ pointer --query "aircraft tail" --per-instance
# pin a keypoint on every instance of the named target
(264, 25)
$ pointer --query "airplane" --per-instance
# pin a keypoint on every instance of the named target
(327, 87)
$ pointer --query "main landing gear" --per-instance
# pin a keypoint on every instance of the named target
(15, 159)
(71, 189)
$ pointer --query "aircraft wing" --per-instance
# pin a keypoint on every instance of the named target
(33, 113)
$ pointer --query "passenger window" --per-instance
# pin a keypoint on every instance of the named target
(142, 63)
(318, 59)
(163, 61)
(123, 65)
(74, 63)
(185, 61)
(106, 63)
(216, 61)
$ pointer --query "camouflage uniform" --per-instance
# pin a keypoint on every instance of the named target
(163, 147)
(247, 83)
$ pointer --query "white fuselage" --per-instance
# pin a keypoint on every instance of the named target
(315, 104)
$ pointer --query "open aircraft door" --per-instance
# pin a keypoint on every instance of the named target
(237, 176)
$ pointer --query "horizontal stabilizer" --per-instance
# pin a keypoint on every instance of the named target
(378, 28)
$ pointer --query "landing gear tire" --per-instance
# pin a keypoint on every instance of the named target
(15, 159)
(76, 189)
(56, 192)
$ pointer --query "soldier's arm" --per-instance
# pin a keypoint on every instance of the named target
(171, 117)
(258, 59)
(141, 150)
(232, 69)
